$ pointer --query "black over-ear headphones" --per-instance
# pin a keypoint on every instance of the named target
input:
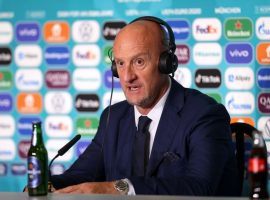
(168, 61)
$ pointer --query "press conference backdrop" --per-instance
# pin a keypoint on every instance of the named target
(54, 67)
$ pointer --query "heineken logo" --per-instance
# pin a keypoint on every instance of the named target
(238, 28)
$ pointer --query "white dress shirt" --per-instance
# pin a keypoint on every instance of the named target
(154, 115)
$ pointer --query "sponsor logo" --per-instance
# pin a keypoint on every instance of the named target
(108, 80)
(239, 53)
(57, 169)
(5, 56)
(24, 125)
(263, 28)
(208, 78)
(87, 102)
(117, 97)
(27, 32)
(87, 126)
(58, 126)
(58, 102)
(264, 102)
(206, 29)
(29, 103)
(263, 53)
(264, 126)
(239, 78)
(110, 29)
(86, 79)
(180, 29)
(56, 32)
(57, 79)
(183, 76)
(86, 55)
(106, 52)
(182, 53)
(238, 28)
(207, 54)
(85, 31)
(81, 146)
(7, 126)
(3, 167)
(215, 96)
(18, 169)
(247, 120)
(5, 80)
(263, 78)
(29, 79)
(53, 145)
(240, 102)
(7, 149)
(23, 148)
(6, 32)
(5, 102)
(57, 55)
(28, 55)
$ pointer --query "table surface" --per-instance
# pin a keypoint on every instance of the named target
(24, 196)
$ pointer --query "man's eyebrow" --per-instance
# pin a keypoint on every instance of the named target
(135, 56)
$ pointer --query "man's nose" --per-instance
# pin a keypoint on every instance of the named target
(129, 74)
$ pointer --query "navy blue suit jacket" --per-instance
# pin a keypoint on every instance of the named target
(192, 152)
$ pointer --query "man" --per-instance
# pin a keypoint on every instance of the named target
(190, 148)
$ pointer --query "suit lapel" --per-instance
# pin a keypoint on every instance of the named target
(167, 126)
(127, 130)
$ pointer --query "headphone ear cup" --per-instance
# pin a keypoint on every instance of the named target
(114, 70)
(168, 63)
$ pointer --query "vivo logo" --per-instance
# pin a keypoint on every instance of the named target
(240, 102)
(81, 146)
(239, 78)
(108, 80)
(27, 32)
(58, 126)
(5, 102)
(239, 53)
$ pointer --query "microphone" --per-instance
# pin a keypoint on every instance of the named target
(61, 152)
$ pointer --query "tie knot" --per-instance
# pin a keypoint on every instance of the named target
(144, 123)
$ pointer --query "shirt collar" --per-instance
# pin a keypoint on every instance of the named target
(156, 111)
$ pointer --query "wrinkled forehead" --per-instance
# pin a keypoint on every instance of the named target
(138, 34)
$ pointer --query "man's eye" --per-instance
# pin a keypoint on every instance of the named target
(119, 63)
(139, 62)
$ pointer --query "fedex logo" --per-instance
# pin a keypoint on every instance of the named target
(206, 29)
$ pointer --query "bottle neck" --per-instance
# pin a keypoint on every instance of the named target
(37, 135)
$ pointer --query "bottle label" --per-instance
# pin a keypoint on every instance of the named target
(34, 172)
(256, 165)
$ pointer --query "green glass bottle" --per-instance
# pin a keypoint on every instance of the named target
(37, 163)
